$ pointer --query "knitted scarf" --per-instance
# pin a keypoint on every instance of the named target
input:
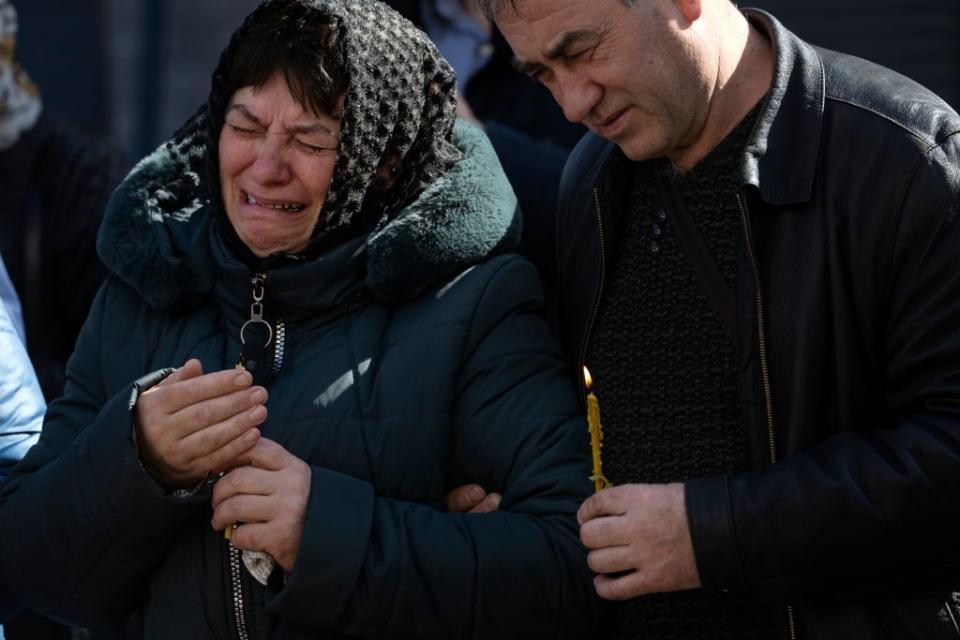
(400, 104)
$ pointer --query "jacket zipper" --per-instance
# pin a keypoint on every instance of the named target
(764, 368)
(278, 334)
(280, 343)
(600, 283)
(239, 614)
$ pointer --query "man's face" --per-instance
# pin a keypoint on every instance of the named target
(633, 75)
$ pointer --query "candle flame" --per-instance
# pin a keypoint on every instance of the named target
(587, 378)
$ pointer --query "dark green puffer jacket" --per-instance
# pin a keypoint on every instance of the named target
(392, 404)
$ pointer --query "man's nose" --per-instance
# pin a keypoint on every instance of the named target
(270, 165)
(576, 95)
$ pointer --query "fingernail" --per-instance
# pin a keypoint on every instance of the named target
(258, 414)
(243, 379)
(259, 396)
(476, 494)
(251, 436)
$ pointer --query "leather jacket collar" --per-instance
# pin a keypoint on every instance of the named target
(781, 158)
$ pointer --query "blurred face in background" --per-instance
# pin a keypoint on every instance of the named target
(276, 163)
(632, 74)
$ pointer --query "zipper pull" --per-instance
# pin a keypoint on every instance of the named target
(256, 334)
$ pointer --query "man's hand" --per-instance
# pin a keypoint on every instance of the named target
(270, 498)
(191, 423)
(640, 528)
(472, 498)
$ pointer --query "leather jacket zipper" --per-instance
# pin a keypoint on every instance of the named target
(599, 292)
(764, 368)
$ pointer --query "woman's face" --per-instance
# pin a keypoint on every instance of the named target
(276, 161)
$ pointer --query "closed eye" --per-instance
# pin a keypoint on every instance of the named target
(313, 148)
(243, 131)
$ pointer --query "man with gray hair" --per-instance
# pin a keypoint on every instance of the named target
(757, 257)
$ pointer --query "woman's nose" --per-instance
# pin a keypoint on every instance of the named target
(270, 165)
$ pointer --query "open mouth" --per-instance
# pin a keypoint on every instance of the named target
(276, 205)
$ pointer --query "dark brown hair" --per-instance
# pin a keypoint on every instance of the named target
(303, 44)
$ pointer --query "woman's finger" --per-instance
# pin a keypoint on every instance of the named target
(194, 420)
(246, 479)
(243, 508)
(270, 455)
(229, 455)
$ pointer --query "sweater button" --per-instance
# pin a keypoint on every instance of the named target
(657, 231)
(661, 215)
(654, 247)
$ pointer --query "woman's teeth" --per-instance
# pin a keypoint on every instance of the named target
(284, 206)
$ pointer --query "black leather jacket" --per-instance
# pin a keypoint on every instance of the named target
(848, 323)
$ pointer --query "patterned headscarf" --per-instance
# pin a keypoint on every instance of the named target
(19, 98)
(400, 107)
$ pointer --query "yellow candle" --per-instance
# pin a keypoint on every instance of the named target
(596, 434)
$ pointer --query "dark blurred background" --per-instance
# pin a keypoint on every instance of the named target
(134, 70)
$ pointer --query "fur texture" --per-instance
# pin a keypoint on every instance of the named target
(156, 233)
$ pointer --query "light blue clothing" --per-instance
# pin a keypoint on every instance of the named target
(464, 43)
(21, 406)
(21, 401)
(10, 300)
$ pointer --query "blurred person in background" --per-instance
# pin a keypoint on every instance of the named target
(322, 254)
(55, 185)
(531, 136)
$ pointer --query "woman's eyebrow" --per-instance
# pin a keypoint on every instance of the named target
(302, 129)
(246, 113)
(310, 128)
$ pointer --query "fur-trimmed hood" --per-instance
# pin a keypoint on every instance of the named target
(156, 233)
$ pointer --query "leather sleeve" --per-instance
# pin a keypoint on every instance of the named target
(875, 507)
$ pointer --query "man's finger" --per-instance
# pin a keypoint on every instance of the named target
(242, 508)
(603, 503)
(621, 587)
(244, 480)
(490, 503)
(465, 499)
(606, 531)
(610, 560)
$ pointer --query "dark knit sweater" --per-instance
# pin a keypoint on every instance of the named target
(666, 375)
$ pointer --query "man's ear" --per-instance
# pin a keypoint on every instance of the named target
(691, 9)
